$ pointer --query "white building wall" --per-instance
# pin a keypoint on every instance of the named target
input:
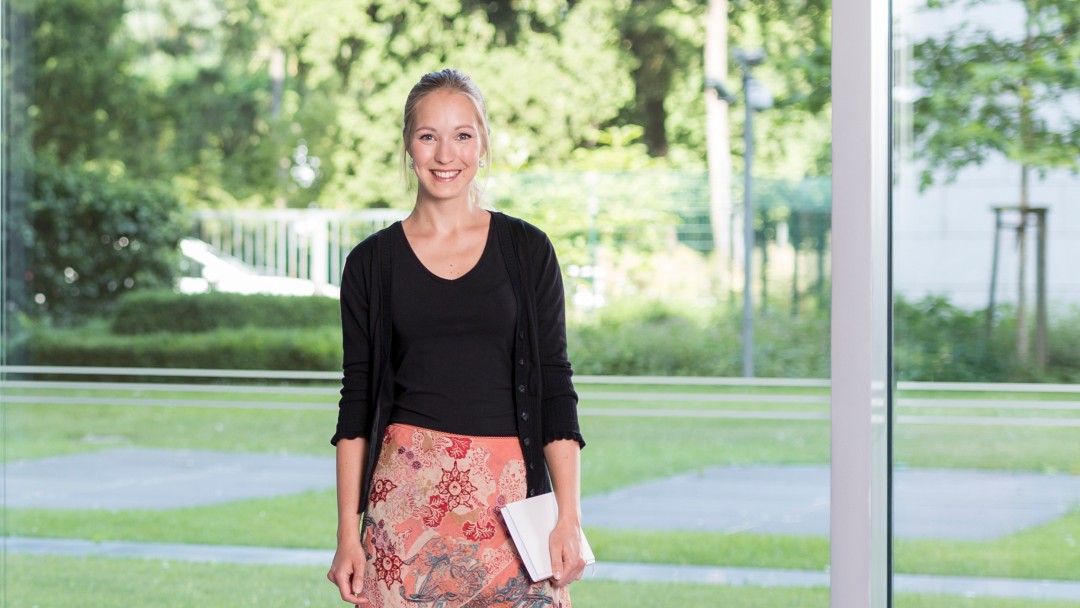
(943, 237)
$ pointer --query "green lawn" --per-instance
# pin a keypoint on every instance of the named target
(621, 451)
(120, 583)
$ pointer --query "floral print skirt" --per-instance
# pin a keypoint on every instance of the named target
(433, 535)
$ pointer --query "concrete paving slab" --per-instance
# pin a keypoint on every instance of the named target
(943, 504)
(146, 478)
(611, 571)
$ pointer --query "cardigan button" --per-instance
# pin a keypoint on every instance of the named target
(521, 335)
(521, 361)
(532, 466)
(521, 388)
(532, 492)
(525, 441)
(524, 415)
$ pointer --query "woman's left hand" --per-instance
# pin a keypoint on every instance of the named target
(567, 565)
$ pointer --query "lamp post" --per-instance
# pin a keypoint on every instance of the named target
(756, 98)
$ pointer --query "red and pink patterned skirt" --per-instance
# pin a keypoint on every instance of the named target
(432, 531)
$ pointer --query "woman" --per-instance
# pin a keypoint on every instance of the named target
(456, 394)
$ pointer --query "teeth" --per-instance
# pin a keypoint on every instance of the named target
(445, 174)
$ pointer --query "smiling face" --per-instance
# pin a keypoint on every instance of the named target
(445, 146)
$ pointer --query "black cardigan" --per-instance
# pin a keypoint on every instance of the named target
(544, 398)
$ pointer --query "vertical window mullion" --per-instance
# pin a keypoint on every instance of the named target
(859, 527)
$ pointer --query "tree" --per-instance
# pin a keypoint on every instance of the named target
(990, 92)
(93, 236)
(550, 70)
(85, 102)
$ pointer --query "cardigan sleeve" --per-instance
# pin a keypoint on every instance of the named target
(354, 409)
(559, 404)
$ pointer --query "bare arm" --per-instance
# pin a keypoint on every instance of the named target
(347, 571)
(564, 462)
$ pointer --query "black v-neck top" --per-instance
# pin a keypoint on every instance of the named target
(452, 344)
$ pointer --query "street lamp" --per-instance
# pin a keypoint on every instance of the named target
(755, 98)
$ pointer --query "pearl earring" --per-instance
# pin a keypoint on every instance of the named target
(412, 165)
(482, 163)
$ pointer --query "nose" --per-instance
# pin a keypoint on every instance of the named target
(443, 152)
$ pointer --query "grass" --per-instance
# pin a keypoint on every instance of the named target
(44, 582)
(1049, 551)
(306, 520)
(621, 451)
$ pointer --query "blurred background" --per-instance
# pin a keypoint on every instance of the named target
(182, 180)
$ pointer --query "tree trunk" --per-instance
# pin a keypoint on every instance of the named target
(1022, 340)
(718, 143)
(1022, 347)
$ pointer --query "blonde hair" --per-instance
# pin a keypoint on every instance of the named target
(454, 81)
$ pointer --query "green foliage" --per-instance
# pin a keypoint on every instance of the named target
(160, 328)
(657, 338)
(794, 135)
(987, 91)
(934, 340)
(578, 209)
(85, 102)
(216, 96)
(152, 311)
(937, 341)
(94, 236)
(246, 348)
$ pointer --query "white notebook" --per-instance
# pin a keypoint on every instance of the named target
(530, 522)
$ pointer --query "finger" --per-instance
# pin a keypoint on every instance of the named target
(579, 569)
(556, 562)
(344, 583)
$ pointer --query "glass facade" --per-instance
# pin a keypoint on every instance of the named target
(183, 180)
(984, 227)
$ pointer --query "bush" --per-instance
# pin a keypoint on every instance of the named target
(657, 338)
(316, 349)
(151, 311)
(936, 341)
(93, 237)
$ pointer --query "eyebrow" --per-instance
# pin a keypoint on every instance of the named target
(457, 128)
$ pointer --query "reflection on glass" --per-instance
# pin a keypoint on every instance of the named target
(185, 178)
(987, 112)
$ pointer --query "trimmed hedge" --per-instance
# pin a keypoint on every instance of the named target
(316, 349)
(153, 311)
(934, 340)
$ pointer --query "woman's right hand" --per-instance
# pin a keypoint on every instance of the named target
(347, 572)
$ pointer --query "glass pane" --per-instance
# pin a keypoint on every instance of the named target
(986, 316)
(183, 181)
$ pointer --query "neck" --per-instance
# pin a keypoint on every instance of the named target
(445, 216)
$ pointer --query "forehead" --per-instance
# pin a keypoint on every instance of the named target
(445, 109)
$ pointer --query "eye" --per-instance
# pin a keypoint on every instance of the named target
(464, 136)
(427, 137)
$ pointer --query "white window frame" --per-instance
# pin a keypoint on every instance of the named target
(861, 297)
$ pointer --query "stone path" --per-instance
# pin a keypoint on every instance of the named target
(146, 478)
(941, 504)
(623, 572)
(945, 504)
